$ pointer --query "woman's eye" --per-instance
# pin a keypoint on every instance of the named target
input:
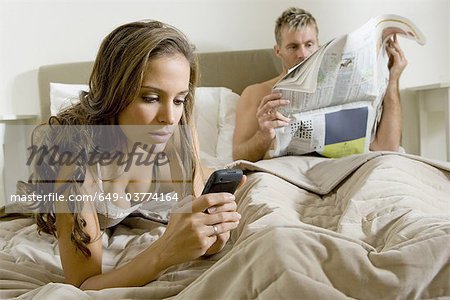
(179, 101)
(150, 99)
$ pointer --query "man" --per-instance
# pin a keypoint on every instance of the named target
(296, 35)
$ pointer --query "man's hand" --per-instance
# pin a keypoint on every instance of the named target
(389, 130)
(397, 60)
(268, 116)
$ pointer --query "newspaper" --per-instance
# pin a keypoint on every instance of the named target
(336, 94)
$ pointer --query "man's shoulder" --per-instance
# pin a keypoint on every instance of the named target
(259, 90)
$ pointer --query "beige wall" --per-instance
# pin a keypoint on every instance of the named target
(38, 32)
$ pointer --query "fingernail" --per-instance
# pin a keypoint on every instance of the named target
(212, 209)
(231, 197)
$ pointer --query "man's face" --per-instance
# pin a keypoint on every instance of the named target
(296, 45)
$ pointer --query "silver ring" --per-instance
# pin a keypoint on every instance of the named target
(216, 230)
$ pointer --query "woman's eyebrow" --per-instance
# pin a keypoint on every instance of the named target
(159, 90)
(150, 87)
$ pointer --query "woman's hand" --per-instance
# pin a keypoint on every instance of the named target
(192, 231)
(223, 238)
(222, 234)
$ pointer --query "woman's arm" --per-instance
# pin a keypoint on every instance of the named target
(188, 236)
(86, 271)
(77, 267)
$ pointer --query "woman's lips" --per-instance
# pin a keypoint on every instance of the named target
(160, 136)
(161, 133)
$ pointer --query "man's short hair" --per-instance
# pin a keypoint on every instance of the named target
(294, 18)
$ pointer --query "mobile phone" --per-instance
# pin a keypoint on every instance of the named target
(223, 181)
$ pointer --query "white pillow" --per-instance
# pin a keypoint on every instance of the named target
(206, 115)
(63, 95)
(214, 114)
(227, 121)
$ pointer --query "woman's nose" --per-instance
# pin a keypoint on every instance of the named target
(165, 114)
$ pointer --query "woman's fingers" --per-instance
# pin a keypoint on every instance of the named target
(243, 181)
(218, 245)
(221, 228)
(204, 202)
(229, 206)
(222, 217)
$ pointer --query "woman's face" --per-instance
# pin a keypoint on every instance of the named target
(158, 108)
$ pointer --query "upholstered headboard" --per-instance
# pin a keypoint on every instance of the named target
(232, 69)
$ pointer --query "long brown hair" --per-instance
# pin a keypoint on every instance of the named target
(115, 81)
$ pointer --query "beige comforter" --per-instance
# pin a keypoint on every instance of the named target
(373, 226)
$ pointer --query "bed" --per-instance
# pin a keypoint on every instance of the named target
(372, 226)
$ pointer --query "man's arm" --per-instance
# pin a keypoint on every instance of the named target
(389, 130)
(256, 120)
(249, 142)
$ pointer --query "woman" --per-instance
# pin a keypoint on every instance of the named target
(143, 81)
